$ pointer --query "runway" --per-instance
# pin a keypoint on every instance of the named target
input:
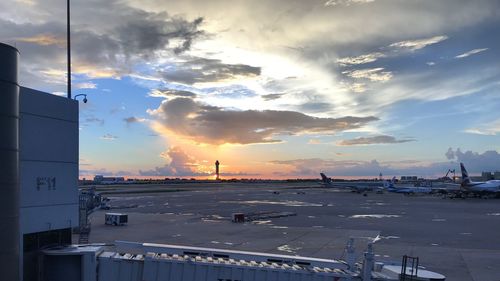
(458, 238)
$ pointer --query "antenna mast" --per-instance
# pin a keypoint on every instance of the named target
(68, 40)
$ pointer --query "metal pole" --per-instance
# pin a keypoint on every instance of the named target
(68, 36)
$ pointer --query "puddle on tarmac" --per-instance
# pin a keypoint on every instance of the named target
(129, 198)
(375, 216)
(288, 249)
(379, 237)
(285, 203)
(262, 222)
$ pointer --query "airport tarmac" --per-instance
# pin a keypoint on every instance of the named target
(455, 237)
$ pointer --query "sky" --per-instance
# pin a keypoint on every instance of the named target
(271, 89)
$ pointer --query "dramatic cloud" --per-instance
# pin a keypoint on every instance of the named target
(372, 74)
(474, 161)
(112, 39)
(109, 137)
(202, 70)
(214, 125)
(168, 93)
(357, 168)
(414, 45)
(180, 165)
(373, 140)
(472, 52)
(360, 59)
(155, 31)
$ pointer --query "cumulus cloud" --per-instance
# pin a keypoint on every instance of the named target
(382, 139)
(414, 45)
(108, 137)
(203, 70)
(372, 74)
(180, 164)
(360, 59)
(133, 119)
(85, 85)
(168, 93)
(474, 161)
(471, 52)
(488, 129)
(215, 125)
(357, 168)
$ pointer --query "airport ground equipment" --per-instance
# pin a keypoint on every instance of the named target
(89, 200)
(132, 261)
(238, 217)
(115, 219)
(264, 215)
(409, 268)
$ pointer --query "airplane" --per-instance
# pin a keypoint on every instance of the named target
(359, 187)
(407, 190)
(483, 188)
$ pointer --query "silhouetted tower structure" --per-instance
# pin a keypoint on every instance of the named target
(217, 170)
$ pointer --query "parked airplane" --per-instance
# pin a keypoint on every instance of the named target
(391, 187)
(484, 187)
(359, 187)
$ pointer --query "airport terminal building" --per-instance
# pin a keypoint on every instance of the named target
(39, 153)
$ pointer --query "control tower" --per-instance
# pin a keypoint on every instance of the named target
(217, 170)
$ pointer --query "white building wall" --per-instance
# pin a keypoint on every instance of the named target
(48, 153)
(48, 139)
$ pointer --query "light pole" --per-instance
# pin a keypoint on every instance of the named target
(84, 97)
(68, 40)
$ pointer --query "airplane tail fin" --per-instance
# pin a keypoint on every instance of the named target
(325, 179)
(390, 184)
(465, 176)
